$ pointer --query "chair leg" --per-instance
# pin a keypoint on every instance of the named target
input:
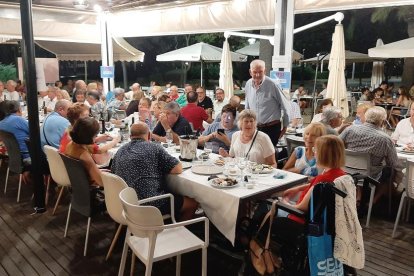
(67, 220)
(7, 178)
(132, 269)
(371, 199)
(204, 262)
(397, 219)
(20, 187)
(178, 266)
(118, 231)
(151, 248)
(124, 255)
(47, 190)
(58, 199)
(407, 217)
(87, 237)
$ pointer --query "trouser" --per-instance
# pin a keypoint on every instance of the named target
(273, 132)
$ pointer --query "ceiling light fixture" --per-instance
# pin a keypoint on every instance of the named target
(80, 4)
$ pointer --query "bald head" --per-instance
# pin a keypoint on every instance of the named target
(62, 106)
(139, 130)
(235, 101)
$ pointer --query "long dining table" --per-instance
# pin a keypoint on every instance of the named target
(222, 205)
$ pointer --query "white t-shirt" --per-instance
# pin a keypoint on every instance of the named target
(317, 118)
(11, 96)
(51, 103)
(404, 133)
(262, 147)
(323, 93)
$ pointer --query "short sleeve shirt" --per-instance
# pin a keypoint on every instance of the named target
(261, 148)
(217, 144)
(53, 128)
(19, 127)
(195, 115)
(144, 167)
(206, 103)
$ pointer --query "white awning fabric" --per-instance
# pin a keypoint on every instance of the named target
(254, 50)
(222, 16)
(399, 49)
(350, 57)
(123, 51)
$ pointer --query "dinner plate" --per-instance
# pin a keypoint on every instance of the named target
(211, 182)
(266, 171)
(407, 151)
(206, 169)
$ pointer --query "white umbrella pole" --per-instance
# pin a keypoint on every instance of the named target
(353, 70)
(201, 74)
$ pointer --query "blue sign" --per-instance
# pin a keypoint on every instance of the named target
(282, 78)
(107, 72)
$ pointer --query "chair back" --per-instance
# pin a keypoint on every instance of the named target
(113, 185)
(44, 165)
(56, 166)
(360, 161)
(137, 216)
(293, 142)
(409, 179)
(13, 150)
(79, 180)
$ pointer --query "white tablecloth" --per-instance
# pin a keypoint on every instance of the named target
(222, 205)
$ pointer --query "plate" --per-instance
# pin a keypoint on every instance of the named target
(213, 183)
(407, 151)
(206, 169)
(263, 169)
(186, 165)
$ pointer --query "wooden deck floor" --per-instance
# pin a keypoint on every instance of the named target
(34, 244)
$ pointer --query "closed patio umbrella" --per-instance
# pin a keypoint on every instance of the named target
(336, 81)
(377, 69)
(226, 70)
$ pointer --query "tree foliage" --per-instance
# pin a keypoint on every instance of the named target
(7, 72)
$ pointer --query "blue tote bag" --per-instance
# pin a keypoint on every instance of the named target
(320, 249)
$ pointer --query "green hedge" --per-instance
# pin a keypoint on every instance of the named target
(7, 72)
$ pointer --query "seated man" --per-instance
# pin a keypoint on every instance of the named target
(144, 167)
(332, 119)
(220, 133)
(195, 114)
(118, 102)
(170, 121)
(97, 106)
(369, 138)
(403, 133)
(55, 125)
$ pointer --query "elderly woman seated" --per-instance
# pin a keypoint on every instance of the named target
(332, 119)
(220, 133)
(251, 143)
(82, 133)
(303, 160)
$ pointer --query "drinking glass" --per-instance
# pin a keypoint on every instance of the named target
(241, 163)
(109, 126)
(208, 147)
(169, 139)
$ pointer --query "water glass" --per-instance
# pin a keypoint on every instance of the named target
(241, 163)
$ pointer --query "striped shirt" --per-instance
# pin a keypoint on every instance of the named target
(371, 139)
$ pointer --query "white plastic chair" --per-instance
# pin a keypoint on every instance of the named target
(113, 185)
(293, 142)
(151, 240)
(57, 171)
(408, 192)
(361, 162)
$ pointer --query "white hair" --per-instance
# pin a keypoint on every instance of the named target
(375, 115)
(257, 63)
(330, 113)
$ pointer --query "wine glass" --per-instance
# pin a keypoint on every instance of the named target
(241, 163)
(169, 139)
(109, 126)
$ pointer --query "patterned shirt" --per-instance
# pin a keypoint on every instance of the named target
(97, 109)
(369, 138)
(144, 166)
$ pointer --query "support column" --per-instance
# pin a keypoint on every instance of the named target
(106, 50)
(32, 106)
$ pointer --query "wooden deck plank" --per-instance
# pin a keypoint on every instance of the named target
(8, 267)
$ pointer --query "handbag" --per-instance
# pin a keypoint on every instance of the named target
(320, 247)
(262, 258)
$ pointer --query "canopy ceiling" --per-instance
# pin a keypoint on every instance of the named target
(122, 51)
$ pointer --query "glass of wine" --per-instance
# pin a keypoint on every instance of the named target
(241, 163)
(169, 139)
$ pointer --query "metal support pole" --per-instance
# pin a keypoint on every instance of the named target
(32, 107)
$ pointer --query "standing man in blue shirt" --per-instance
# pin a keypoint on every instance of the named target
(55, 124)
(265, 97)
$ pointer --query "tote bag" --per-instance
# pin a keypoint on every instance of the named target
(320, 250)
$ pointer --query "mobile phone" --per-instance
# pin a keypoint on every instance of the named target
(220, 130)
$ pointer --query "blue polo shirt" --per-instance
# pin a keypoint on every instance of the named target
(53, 127)
(19, 127)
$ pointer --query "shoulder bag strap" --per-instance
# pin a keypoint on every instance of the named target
(43, 129)
(272, 215)
(251, 145)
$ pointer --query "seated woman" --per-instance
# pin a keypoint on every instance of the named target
(302, 160)
(404, 100)
(365, 94)
(82, 133)
(324, 104)
(250, 142)
(76, 112)
(332, 120)
(330, 156)
(133, 105)
(379, 96)
(144, 114)
(220, 133)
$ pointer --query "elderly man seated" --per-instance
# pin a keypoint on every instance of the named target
(195, 114)
(55, 124)
(171, 123)
(369, 138)
(220, 133)
(144, 167)
(332, 119)
(118, 102)
(403, 133)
